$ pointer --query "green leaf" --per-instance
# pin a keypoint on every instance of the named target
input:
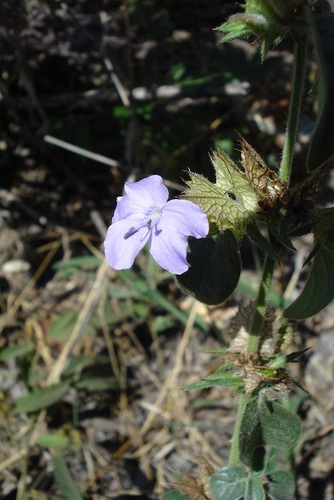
(160, 323)
(274, 223)
(323, 219)
(280, 427)
(281, 486)
(177, 71)
(53, 440)
(264, 245)
(279, 9)
(41, 398)
(322, 144)
(228, 483)
(232, 201)
(78, 262)
(253, 6)
(174, 495)
(215, 268)
(78, 364)
(251, 437)
(262, 18)
(217, 350)
(206, 403)
(319, 288)
(283, 359)
(234, 28)
(61, 327)
(252, 22)
(64, 480)
(98, 384)
(255, 490)
(15, 351)
(121, 112)
(227, 379)
(221, 204)
(293, 224)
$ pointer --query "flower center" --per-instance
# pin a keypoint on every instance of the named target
(154, 214)
(149, 221)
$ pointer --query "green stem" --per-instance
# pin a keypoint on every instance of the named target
(261, 304)
(253, 346)
(269, 263)
(294, 110)
(234, 452)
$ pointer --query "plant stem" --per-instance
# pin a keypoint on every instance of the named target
(234, 452)
(252, 346)
(269, 263)
(294, 110)
(261, 304)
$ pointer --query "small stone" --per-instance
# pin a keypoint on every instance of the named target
(16, 266)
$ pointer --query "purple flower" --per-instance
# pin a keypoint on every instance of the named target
(143, 216)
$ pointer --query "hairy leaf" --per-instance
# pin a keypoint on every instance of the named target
(281, 486)
(280, 427)
(228, 482)
(255, 490)
(219, 203)
(227, 379)
(232, 180)
(251, 437)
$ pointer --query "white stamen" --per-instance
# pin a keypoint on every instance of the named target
(150, 220)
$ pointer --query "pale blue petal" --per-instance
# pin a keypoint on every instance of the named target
(122, 243)
(168, 242)
(184, 217)
(169, 251)
(146, 193)
(168, 237)
(140, 197)
(125, 208)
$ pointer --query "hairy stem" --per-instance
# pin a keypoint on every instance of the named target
(253, 346)
(234, 451)
(294, 110)
(261, 304)
(269, 263)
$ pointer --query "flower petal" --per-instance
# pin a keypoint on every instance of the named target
(123, 242)
(186, 217)
(125, 208)
(169, 251)
(149, 192)
(140, 197)
(143, 214)
(168, 241)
